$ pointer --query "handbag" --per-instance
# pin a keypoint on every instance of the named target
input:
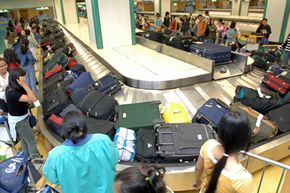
(32, 121)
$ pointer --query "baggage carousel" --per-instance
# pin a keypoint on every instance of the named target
(178, 176)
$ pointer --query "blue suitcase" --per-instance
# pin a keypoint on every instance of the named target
(85, 80)
(214, 52)
(79, 68)
(109, 84)
(211, 113)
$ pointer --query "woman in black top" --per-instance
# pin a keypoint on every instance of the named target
(18, 97)
(264, 29)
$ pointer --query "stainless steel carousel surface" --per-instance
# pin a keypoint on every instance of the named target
(180, 177)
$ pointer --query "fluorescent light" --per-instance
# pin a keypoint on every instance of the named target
(41, 8)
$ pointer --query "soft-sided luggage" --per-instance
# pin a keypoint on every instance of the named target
(211, 113)
(70, 108)
(51, 86)
(108, 84)
(146, 145)
(69, 49)
(182, 142)
(78, 95)
(262, 127)
(53, 71)
(54, 79)
(58, 58)
(180, 42)
(71, 63)
(154, 35)
(98, 105)
(279, 83)
(175, 113)
(85, 80)
(79, 68)
(54, 124)
(100, 126)
(281, 117)
(138, 115)
(214, 52)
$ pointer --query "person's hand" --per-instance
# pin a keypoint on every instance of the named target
(21, 80)
(280, 47)
(196, 184)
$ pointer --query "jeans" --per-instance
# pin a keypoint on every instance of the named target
(28, 143)
(201, 38)
(30, 78)
(264, 41)
(286, 57)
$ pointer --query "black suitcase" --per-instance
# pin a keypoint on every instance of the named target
(154, 36)
(281, 117)
(146, 147)
(53, 80)
(100, 126)
(182, 142)
(180, 42)
(98, 105)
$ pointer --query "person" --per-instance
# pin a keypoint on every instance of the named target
(17, 28)
(185, 26)
(27, 62)
(18, 97)
(10, 37)
(286, 47)
(220, 31)
(33, 44)
(143, 179)
(218, 169)
(166, 20)
(211, 32)
(4, 80)
(173, 24)
(11, 59)
(232, 34)
(158, 22)
(10, 24)
(147, 23)
(35, 29)
(201, 28)
(264, 29)
(207, 17)
(192, 26)
(84, 162)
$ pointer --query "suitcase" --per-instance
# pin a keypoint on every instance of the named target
(182, 142)
(70, 108)
(71, 63)
(54, 70)
(214, 52)
(54, 79)
(98, 105)
(85, 80)
(100, 126)
(175, 113)
(79, 68)
(58, 58)
(78, 95)
(180, 42)
(108, 85)
(138, 115)
(262, 127)
(54, 124)
(211, 113)
(279, 83)
(281, 117)
(61, 83)
(154, 36)
(146, 146)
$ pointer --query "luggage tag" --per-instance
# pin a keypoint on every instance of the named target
(259, 119)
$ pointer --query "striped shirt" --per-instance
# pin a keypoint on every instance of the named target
(286, 45)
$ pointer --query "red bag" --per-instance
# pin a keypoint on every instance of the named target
(55, 119)
(71, 63)
(14, 66)
(279, 83)
(53, 71)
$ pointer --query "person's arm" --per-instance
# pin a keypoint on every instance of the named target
(269, 30)
(31, 57)
(286, 42)
(244, 185)
(197, 173)
(29, 97)
(258, 31)
(49, 171)
(203, 28)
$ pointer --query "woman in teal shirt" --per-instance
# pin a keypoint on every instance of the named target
(84, 163)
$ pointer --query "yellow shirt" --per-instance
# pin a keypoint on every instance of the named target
(229, 181)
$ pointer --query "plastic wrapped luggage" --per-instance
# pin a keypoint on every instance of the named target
(138, 115)
(85, 80)
(214, 52)
(175, 113)
(279, 83)
(153, 35)
(262, 127)
(281, 117)
(182, 142)
(108, 84)
(211, 113)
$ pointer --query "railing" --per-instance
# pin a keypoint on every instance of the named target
(284, 181)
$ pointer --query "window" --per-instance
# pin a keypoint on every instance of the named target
(257, 4)
(144, 6)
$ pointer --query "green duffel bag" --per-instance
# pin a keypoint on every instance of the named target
(58, 58)
(138, 115)
(262, 127)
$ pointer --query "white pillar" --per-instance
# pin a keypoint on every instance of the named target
(58, 11)
(156, 6)
(165, 6)
(70, 11)
(236, 7)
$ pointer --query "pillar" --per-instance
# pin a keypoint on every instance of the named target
(54, 9)
(157, 6)
(70, 13)
(59, 15)
(165, 6)
(236, 6)
(108, 29)
(244, 7)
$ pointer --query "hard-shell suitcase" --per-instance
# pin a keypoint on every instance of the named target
(214, 52)
(175, 113)
(138, 115)
(98, 105)
(59, 58)
(182, 142)
(262, 127)
(281, 117)
(279, 83)
(85, 80)
(100, 126)
(108, 84)
(211, 113)
(154, 36)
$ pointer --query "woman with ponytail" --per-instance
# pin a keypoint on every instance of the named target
(218, 169)
(143, 179)
(85, 162)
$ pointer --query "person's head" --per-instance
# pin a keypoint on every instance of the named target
(200, 17)
(3, 66)
(22, 33)
(172, 17)
(34, 28)
(206, 12)
(234, 133)
(264, 21)
(220, 21)
(10, 56)
(74, 126)
(211, 21)
(24, 45)
(157, 15)
(167, 14)
(14, 76)
(143, 179)
(27, 32)
(233, 25)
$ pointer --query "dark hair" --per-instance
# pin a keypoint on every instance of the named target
(199, 16)
(221, 20)
(27, 32)
(24, 45)
(74, 126)
(157, 14)
(233, 25)
(264, 19)
(234, 133)
(13, 77)
(143, 179)
(206, 12)
(10, 56)
(166, 13)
